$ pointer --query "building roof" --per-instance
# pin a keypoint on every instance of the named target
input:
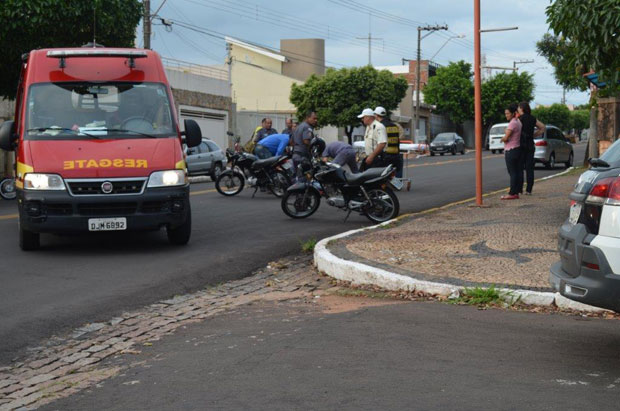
(256, 49)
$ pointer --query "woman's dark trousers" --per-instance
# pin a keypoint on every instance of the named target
(515, 168)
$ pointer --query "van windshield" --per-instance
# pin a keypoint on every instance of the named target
(498, 130)
(105, 110)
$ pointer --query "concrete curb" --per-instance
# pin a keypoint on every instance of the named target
(362, 274)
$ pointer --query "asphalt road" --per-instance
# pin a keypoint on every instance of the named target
(75, 280)
(407, 356)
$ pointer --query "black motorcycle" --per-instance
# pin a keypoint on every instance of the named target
(369, 193)
(269, 174)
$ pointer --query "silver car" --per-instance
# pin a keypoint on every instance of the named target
(553, 148)
(205, 159)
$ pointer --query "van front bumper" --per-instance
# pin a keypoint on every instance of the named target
(584, 274)
(60, 212)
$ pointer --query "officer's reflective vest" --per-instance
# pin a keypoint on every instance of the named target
(393, 137)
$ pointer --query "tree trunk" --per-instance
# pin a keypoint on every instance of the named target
(592, 149)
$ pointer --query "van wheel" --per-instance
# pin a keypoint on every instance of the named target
(181, 234)
(28, 240)
(492, 151)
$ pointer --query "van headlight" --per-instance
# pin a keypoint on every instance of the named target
(39, 181)
(167, 178)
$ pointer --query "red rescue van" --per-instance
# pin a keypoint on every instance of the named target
(98, 145)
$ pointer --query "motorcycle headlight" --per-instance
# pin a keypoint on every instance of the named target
(39, 181)
(167, 178)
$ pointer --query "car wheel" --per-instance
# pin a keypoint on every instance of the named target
(217, 170)
(551, 163)
(569, 163)
(432, 154)
(441, 154)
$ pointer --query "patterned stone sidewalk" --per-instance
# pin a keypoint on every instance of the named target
(67, 365)
(510, 243)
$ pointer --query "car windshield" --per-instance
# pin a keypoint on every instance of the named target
(442, 138)
(106, 110)
(498, 130)
(612, 154)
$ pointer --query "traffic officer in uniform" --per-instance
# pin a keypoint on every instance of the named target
(303, 134)
(391, 153)
(375, 140)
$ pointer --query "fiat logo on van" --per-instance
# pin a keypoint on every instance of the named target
(107, 187)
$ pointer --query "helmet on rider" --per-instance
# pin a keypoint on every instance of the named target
(317, 146)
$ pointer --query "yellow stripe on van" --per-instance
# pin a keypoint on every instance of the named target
(22, 169)
(180, 165)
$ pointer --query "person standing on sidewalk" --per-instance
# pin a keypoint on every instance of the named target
(528, 124)
(375, 139)
(392, 149)
(512, 152)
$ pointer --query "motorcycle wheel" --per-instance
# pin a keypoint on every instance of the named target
(300, 204)
(385, 205)
(281, 183)
(7, 189)
(229, 183)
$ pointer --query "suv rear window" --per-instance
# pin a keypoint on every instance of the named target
(612, 154)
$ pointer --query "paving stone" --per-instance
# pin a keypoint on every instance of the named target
(38, 379)
(74, 357)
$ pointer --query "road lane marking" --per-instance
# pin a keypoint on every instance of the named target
(195, 193)
(462, 160)
(8, 216)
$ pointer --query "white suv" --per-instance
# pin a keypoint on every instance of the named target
(589, 240)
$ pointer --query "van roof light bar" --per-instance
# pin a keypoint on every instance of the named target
(62, 55)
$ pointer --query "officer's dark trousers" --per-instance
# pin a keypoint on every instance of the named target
(397, 161)
(515, 168)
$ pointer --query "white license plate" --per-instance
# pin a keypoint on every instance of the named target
(107, 224)
(287, 165)
(397, 183)
(575, 212)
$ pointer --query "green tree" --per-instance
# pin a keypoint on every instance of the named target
(557, 114)
(501, 90)
(580, 119)
(340, 95)
(561, 54)
(30, 24)
(451, 90)
(591, 27)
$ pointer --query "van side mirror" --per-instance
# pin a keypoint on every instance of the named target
(7, 136)
(192, 133)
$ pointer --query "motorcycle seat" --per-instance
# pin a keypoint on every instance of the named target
(360, 178)
(264, 163)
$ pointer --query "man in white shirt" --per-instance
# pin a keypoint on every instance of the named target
(375, 139)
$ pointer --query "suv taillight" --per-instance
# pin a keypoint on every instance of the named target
(605, 191)
(541, 143)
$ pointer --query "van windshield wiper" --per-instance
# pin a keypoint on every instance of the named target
(72, 131)
(122, 130)
(597, 162)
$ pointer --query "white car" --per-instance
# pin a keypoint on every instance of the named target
(498, 131)
(589, 240)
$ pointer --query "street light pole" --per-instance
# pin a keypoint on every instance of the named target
(477, 102)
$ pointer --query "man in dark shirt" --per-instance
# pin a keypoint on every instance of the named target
(265, 131)
(528, 125)
(289, 127)
(302, 136)
(342, 153)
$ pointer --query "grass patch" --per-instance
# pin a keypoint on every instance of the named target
(308, 245)
(482, 296)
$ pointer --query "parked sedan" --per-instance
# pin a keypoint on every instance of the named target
(205, 159)
(447, 143)
(589, 240)
(553, 148)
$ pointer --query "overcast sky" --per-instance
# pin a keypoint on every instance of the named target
(341, 22)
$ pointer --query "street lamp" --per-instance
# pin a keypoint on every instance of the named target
(459, 36)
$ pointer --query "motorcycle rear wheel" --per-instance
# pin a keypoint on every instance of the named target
(300, 204)
(229, 183)
(385, 205)
(281, 183)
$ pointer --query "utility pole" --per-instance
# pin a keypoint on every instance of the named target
(431, 30)
(146, 23)
(564, 95)
(370, 38)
